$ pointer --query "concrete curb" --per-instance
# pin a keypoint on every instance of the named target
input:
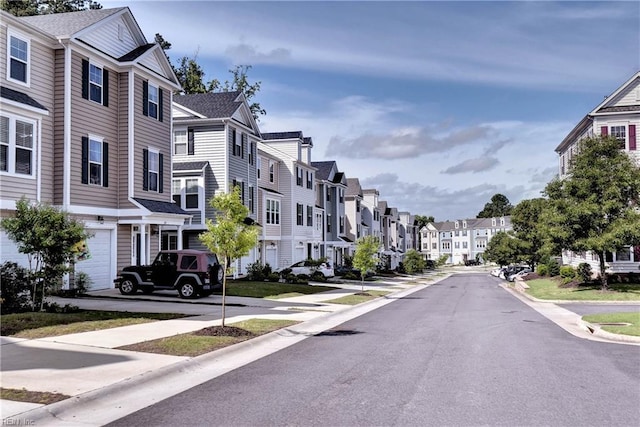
(106, 404)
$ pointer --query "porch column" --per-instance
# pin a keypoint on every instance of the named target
(143, 244)
(179, 242)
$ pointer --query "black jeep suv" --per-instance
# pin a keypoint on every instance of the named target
(191, 272)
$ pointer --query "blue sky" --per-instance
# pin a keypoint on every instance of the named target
(438, 105)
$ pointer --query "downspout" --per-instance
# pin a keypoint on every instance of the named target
(66, 181)
(130, 132)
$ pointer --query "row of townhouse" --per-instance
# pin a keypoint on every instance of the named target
(90, 123)
(461, 240)
(617, 115)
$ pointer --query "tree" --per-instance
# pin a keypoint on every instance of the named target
(503, 249)
(525, 218)
(364, 258)
(43, 7)
(413, 262)
(595, 208)
(49, 237)
(498, 206)
(421, 221)
(232, 235)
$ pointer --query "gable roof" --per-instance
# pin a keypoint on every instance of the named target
(213, 105)
(324, 169)
(353, 187)
(69, 23)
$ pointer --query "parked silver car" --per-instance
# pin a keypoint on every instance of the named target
(307, 267)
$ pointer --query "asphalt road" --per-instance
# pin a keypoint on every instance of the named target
(461, 352)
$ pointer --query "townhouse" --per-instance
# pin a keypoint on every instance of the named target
(617, 115)
(461, 240)
(294, 200)
(332, 185)
(355, 227)
(371, 213)
(86, 126)
(215, 146)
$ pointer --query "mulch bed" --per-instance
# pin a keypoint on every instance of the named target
(224, 331)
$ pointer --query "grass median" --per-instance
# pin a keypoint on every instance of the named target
(616, 323)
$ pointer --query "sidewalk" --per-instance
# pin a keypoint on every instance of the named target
(89, 365)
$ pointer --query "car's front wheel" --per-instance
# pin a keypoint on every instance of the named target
(187, 290)
(128, 286)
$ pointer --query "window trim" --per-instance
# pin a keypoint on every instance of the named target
(272, 211)
(12, 147)
(153, 151)
(19, 36)
(100, 141)
(184, 143)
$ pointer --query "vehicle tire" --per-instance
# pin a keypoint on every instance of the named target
(187, 289)
(128, 286)
(218, 274)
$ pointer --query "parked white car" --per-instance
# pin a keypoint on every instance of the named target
(521, 273)
(306, 267)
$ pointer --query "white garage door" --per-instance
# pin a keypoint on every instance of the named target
(98, 266)
(9, 251)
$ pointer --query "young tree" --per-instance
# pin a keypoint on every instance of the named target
(365, 257)
(49, 237)
(525, 218)
(596, 207)
(413, 262)
(503, 249)
(232, 235)
(498, 206)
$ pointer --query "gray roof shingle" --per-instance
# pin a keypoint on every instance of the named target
(161, 207)
(69, 23)
(282, 135)
(189, 166)
(213, 105)
(22, 98)
(324, 169)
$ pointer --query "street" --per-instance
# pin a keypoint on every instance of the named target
(460, 352)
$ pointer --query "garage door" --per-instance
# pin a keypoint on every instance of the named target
(98, 266)
(9, 251)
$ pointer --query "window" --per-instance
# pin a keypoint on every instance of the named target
(152, 167)
(464, 224)
(481, 244)
(620, 133)
(299, 214)
(328, 223)
(446, 246)
(318, 221)
(238, 183)
(309, 216)
(95, 83)
(273, 211)
(258, 166)
(251, 152)
(272, 169)
(191, 199)
(299, 176)
(457, 224)
(16, 145)
(341, 225)
(457, 245)
(309, 180)
(357, 205)
(180, 142)
(328, 194)
(623, 254)
(95, 161)
(493, 222)
(152, 101)
(169, 242)
(464, 245)
(464, 233)
(341, 195)
(18, 59)
(237, 144)
(434, 245)
(176, 190)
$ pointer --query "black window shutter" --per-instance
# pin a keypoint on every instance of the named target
(85, 79)
(145, 98)
(85, 160)
(105, 87)
(160, 104)
(242, 146)
(145, 169)
(190, 143)
(160, 173)
(105, 164)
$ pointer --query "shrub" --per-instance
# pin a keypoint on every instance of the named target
(542, 270)
(442, 260)
(567, 272)
(317, 276)
(584, 271)
(273, 277)
(554, 268)
(351, 276)
(400, 268)
(15, 288)
(258, 272)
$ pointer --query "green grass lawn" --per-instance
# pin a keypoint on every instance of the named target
(192, 344)
(549, 289)
(633, 319)
(33, 325)
(357, 299)
(241, 288)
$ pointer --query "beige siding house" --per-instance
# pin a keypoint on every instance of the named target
(86, 126)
